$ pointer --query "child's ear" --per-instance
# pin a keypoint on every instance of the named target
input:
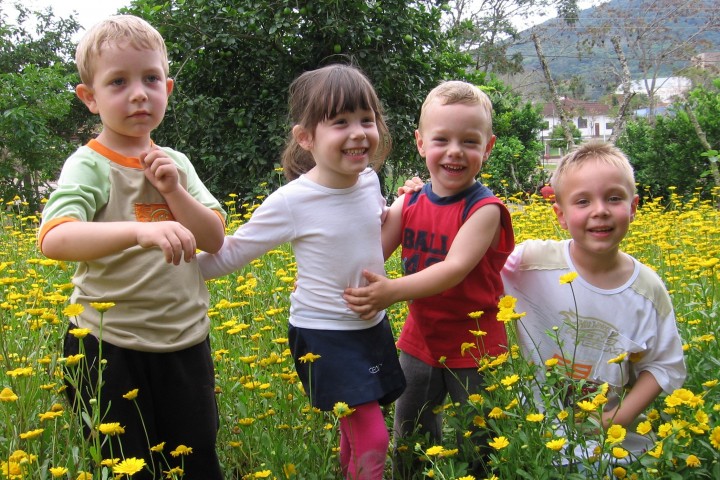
(87, 96)
(560, 215)
(488, 148)
(169, 84)
(303, 137)
(420, 143)
(633, 206)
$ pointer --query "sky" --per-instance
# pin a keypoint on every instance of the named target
(88, 12)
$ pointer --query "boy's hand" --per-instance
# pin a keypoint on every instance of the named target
(411, 185)
(172, 238)
(368, 301)
(160, 170)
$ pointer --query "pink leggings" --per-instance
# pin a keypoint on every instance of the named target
(364, 441)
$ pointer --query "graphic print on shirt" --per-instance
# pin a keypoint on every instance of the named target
(153, 212)
(434, 246)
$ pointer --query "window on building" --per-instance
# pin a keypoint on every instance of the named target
(582, 122)
(609, 126)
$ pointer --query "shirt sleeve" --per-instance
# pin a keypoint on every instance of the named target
(83, 189)
(270, 225)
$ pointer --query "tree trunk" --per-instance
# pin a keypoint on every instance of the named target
(706, 145)
(619, 123)
(567, 132)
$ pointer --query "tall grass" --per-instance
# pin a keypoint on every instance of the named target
(268, 429)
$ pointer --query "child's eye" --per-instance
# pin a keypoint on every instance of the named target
(117, 81)
(152, 78)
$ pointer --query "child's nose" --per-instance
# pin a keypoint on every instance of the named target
(138, 93)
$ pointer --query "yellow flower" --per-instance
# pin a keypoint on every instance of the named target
(102, 306)
(176, 472)
(289, 470)
(113, 428)
(7, 395)
(535, 417)
(475, 315)
(181, 450)
(309, 357)
(477, 333)
(79, 332)
(568, 277)
(586, 406)
(715, 437)
(692, 461)
(465, 347)
(562, 415)
(158, 448)
(644, 428)
(619, 452)
(556, 444)
(617, 359)
(32, 434)
(341, 410)
(131, 395)
(84, 476)
(110, 462)
(615, 434)
(507, 302)
(551, 362)
(435, 450)
(58, 472)
(73, 310)
(510, 380)
(619, 472)
(496, 412)
(499, 442)
(73, 360)
(129, 466)
(262, 474)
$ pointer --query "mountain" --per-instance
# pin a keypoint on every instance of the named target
(595, 65)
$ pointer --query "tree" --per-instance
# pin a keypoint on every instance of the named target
(670, 155)
(37, 120)
(233, 62)
(644, 32)
(487, 29)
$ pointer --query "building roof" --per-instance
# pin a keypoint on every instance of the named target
(576, 108)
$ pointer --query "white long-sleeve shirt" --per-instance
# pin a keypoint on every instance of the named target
(334, 233)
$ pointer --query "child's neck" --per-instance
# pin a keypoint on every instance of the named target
(130, 147)
(606, 271)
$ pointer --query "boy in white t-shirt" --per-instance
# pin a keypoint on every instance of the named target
(616, 304)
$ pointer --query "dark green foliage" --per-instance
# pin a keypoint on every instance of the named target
(234, 60)
(37, 118)
(669, 153)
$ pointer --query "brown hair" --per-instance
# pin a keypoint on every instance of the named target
(114, 30)
(596, 150)
(321, 94)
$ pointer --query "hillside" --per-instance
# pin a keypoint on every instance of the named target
(594, 65)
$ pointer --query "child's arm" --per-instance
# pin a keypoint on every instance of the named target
(205, 224)
(477, 234)
(640, 396)
(391, 227)
(82, 241)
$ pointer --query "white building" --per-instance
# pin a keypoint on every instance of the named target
(591, 118)
(665, 88)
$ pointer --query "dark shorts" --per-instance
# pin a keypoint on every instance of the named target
(175, 403)
(355, 366)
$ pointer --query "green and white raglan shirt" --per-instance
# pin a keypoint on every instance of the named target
(159, 307)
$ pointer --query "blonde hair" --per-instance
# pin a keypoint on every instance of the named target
(115, 30)
(593, 150)
(455, 91)
(318, 95)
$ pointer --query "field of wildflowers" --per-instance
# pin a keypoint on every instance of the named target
(268, 429)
